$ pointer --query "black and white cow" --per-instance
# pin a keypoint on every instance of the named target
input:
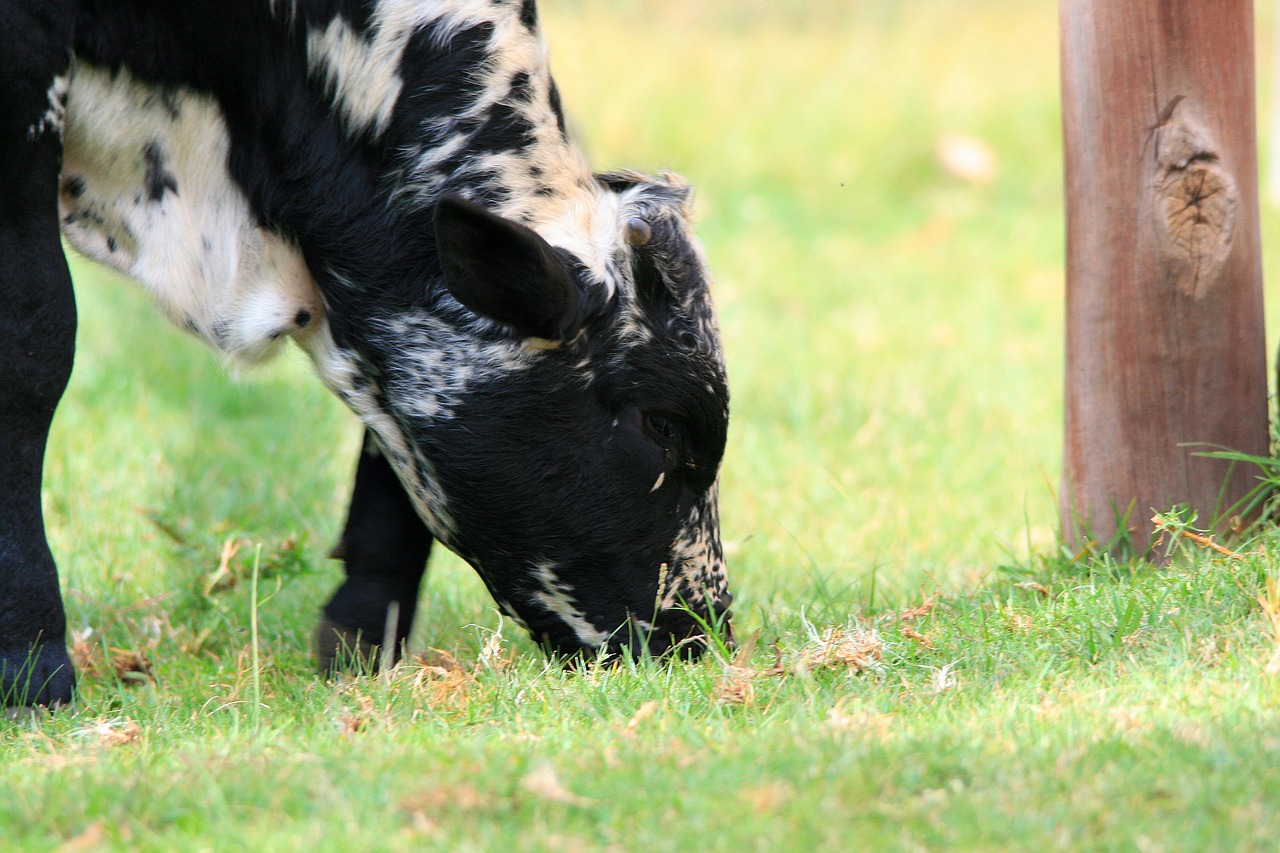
(530, 346)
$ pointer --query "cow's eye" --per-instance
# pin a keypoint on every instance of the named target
(665, 431)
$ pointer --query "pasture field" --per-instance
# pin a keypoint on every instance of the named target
(922, 667)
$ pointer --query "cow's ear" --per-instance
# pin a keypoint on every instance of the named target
(504, 271)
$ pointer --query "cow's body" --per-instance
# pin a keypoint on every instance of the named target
(530, 346)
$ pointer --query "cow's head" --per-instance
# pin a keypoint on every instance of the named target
(563, 409)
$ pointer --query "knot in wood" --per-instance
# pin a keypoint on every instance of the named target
(1195, 204)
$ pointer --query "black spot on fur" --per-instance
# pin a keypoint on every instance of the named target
(360, 16)
(169, 100)
(558, 109)
(521, 88)
(73, 186)
(504, 129)
(444, 75)
(617, 181)
(86, 214)
(529, 13)
(158, 180)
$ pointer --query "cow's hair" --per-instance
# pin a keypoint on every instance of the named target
(391, 184)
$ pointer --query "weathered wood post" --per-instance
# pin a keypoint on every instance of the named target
(1164, 336)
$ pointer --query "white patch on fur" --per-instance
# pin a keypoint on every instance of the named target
(363, 71)
(52, 119)
(361, 74)
(587, 226)
(449, 17)
(341, 372)
(197, 248)
(556, 597)
(436, 365)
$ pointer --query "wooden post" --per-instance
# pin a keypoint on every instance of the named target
(1165, 339)
(1273, 155)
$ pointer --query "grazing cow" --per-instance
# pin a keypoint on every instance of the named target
(531, 347)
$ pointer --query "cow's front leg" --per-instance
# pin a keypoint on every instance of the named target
(385, 547)
(37, 343)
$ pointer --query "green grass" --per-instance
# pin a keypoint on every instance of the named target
(894, 338)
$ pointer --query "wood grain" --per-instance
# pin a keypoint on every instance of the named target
(1165, 344)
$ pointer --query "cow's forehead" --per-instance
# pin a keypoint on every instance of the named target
(593, 226)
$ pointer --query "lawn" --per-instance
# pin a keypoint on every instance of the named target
(922, 667)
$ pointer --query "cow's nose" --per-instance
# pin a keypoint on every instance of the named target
(726, 634)
(682, 634)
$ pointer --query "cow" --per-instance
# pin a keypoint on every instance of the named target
(530, 346)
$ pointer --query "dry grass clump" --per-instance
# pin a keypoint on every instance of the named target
(238, 554)
(426, 807)
(735, 687)
(440, 679)
(912, 634)
(852, 650)
(543, 783)
(921, 610)
(108, 733)
(92, 660)
(434, 680)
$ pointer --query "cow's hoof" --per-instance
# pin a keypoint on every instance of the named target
(36, 676)
(22, 714)
(342, 650)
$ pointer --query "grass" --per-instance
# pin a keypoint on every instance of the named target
(924, 667)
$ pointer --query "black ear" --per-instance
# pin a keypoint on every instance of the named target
(504, 271)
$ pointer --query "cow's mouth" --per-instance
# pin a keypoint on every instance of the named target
(683, 634)
(676, 634)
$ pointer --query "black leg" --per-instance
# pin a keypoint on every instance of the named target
(385, 547)
(37, 343)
